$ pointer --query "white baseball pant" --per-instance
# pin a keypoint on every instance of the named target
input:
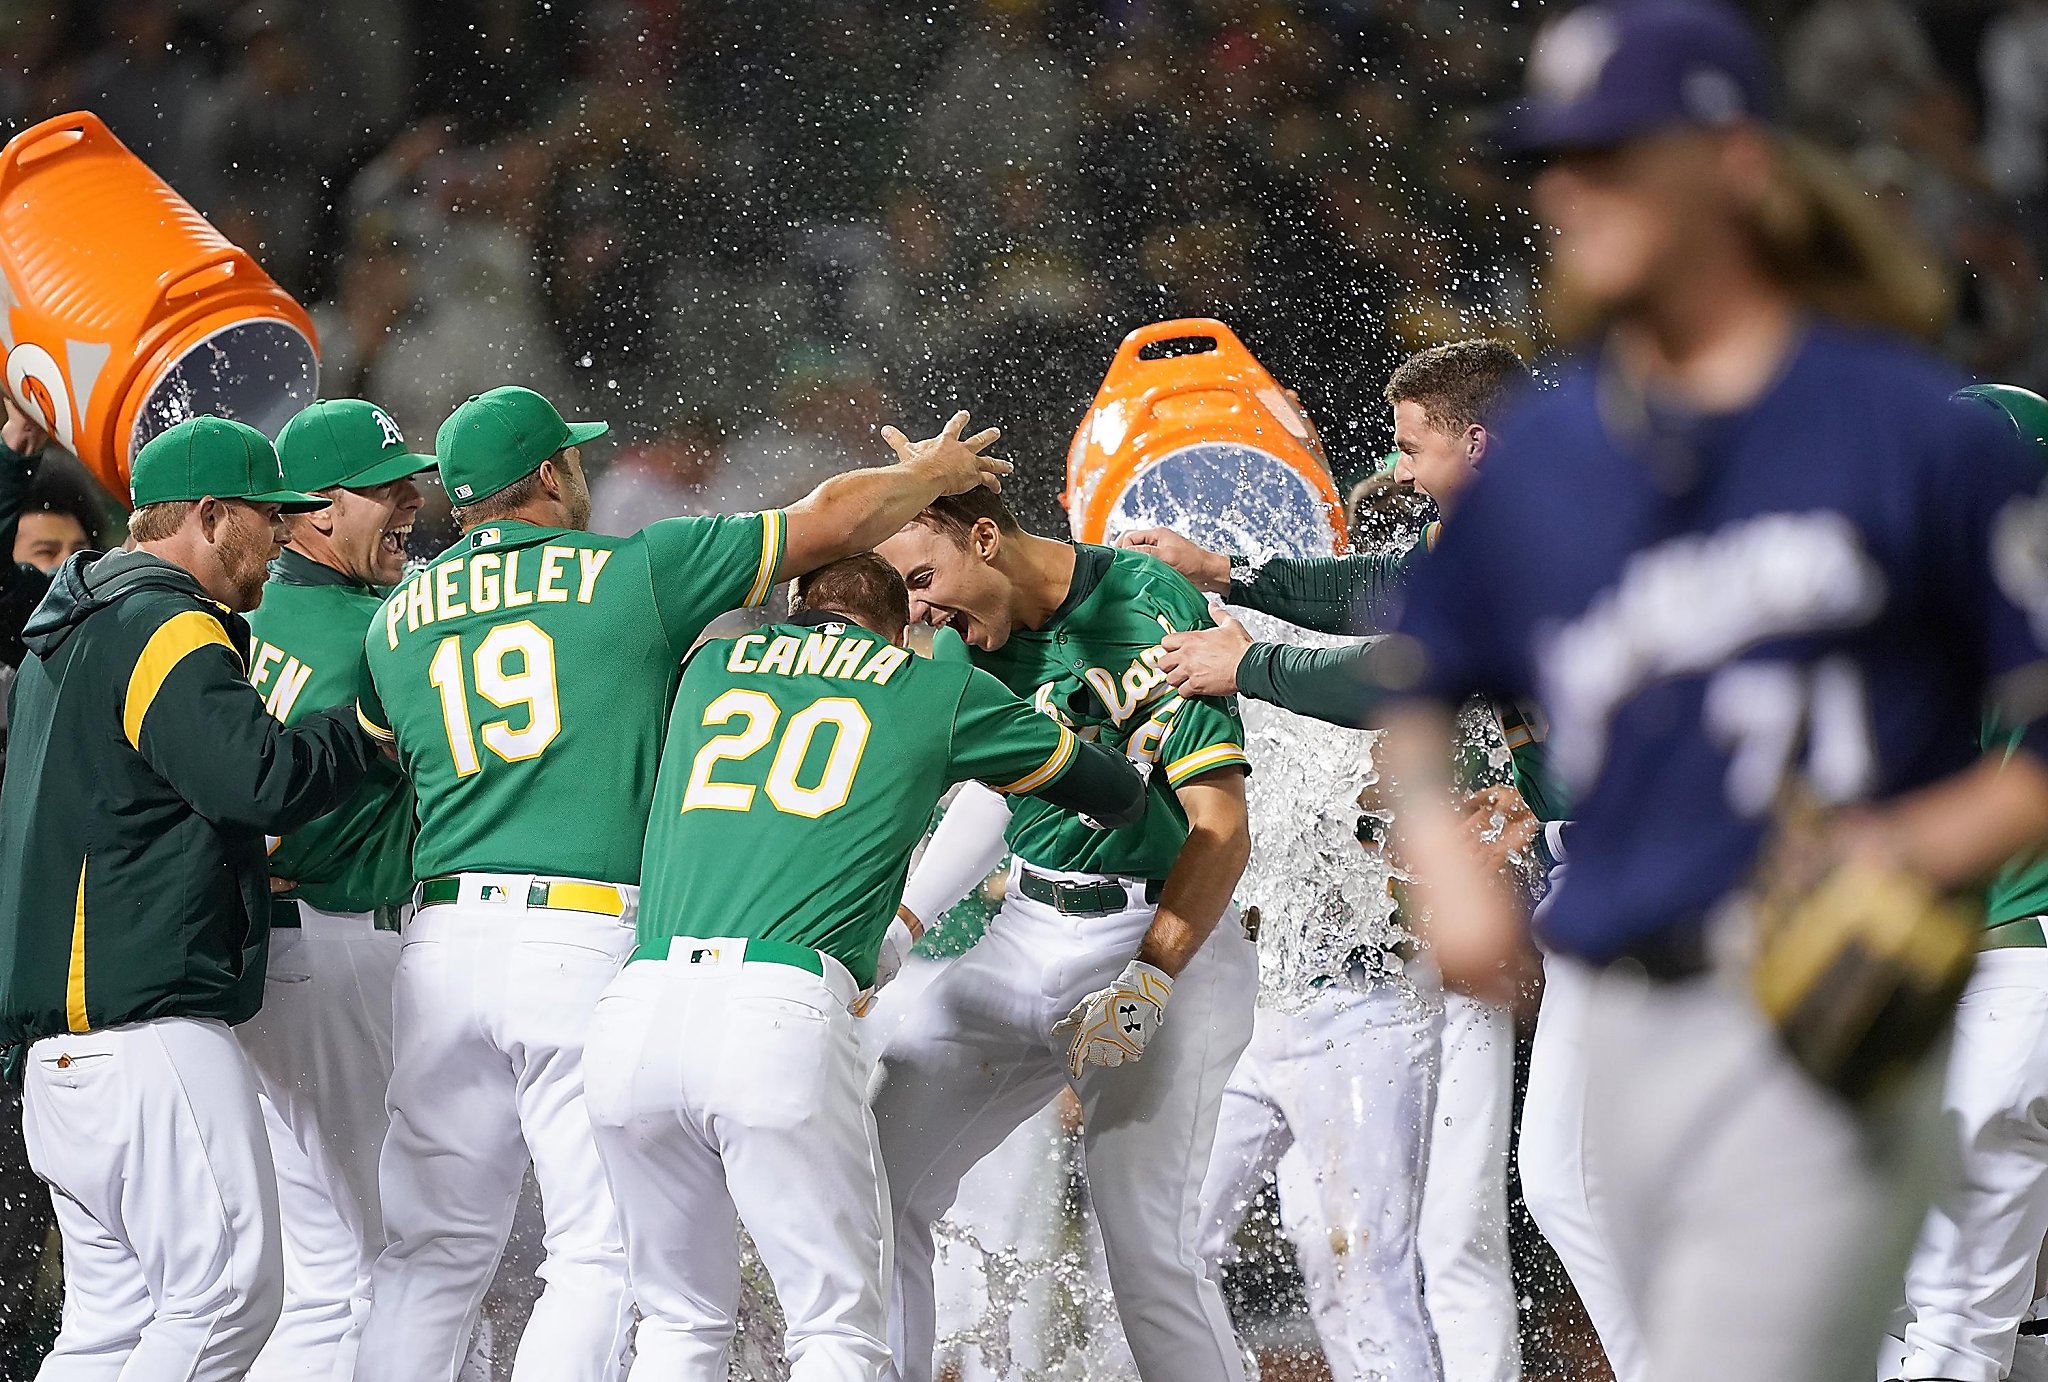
(1760, 1222)
(1971, 1278)
(490, 1009)
(321, 1050)
(152, 1143)
(1565, 1196)
(1466, 1282)
(728, 1091)
(977, 1057)
(1349, 1083)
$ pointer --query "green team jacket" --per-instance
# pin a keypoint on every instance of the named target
(308, 656)
(144, 774)
(1343, 595)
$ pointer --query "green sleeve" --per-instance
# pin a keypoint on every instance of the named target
(1328, 594)
(1015, 749)
(1001, 740)
(1322, 683)
(703, 567)
(190, 711)
(1206, 734)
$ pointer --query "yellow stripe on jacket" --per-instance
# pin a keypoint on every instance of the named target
(175, 639)
(74, 987)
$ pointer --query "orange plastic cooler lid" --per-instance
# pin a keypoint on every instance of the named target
(1180, 383)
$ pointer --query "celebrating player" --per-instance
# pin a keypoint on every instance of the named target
(135, 912)
(1445, 401)
(1972, 1276)
(525, 676)
(1098, 930)
(321, 1046)
(801, 764)
(1743, 551)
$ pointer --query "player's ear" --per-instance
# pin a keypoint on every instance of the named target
(1476, 438)
(984, 539)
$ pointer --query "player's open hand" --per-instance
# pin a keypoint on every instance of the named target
(1208, 571)
(957, 459)
(1204, 662)
(1112, 1025)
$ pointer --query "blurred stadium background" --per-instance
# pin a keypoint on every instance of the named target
(748, 233)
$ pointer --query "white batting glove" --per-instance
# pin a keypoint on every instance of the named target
(1112, 1025)
(904, 929)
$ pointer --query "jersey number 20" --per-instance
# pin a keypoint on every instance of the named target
(785, 793)
(530, 684)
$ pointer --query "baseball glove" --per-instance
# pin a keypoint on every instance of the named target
(1859, 963)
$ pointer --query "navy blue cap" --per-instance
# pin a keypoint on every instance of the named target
(1606, 74)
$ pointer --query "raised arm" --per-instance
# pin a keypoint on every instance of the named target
(852, 512)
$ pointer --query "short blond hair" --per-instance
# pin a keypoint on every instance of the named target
(155, 522)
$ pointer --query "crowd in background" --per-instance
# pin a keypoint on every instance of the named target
(744, 233)
(748, 233)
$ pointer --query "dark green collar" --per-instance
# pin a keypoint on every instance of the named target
(296, 568)
(1091, 564)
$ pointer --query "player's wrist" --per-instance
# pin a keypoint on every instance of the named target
(911, 922)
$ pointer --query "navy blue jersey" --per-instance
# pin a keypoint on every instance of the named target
(1703, 605)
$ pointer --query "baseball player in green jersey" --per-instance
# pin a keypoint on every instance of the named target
(321, 1045)
(525, 676)
(1442, 400)
(725, 1071)
(135, 913)
(1098, 931)
(1972, 1275)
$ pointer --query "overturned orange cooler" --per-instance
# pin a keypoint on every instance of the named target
(122, 311)
(1188, 431)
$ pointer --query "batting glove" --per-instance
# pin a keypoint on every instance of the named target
(896, 943)
(1112, 1025)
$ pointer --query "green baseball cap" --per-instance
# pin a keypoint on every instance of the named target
(213, 457)
(2025, 409)
(345, 441)
(495, 439)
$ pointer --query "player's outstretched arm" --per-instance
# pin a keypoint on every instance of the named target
(1100, 785)
(852, 512)
(1327, 594)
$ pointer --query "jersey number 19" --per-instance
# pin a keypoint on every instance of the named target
(531, 685)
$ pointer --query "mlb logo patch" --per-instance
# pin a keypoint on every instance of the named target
(704, 955)
(483, 537)
(495, 892)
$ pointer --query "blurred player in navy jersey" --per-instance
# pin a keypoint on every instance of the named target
(1743, 555)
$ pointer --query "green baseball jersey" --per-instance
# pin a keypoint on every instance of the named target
(526, 673)
(802, 763)
(2021, 887)
(1096, 665)
(307, 655)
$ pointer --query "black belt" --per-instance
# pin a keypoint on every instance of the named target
(1083, 899)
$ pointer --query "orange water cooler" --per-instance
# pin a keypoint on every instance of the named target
(1188, 431)
(122, 311)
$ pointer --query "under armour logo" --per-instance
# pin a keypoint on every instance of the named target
(391, 435)
(1129, 1013)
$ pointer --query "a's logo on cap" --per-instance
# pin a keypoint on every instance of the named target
(391, 435)
(1571, 54)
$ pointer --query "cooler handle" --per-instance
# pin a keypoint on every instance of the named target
(59, 134)
(1130, 359)
(216, 266)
